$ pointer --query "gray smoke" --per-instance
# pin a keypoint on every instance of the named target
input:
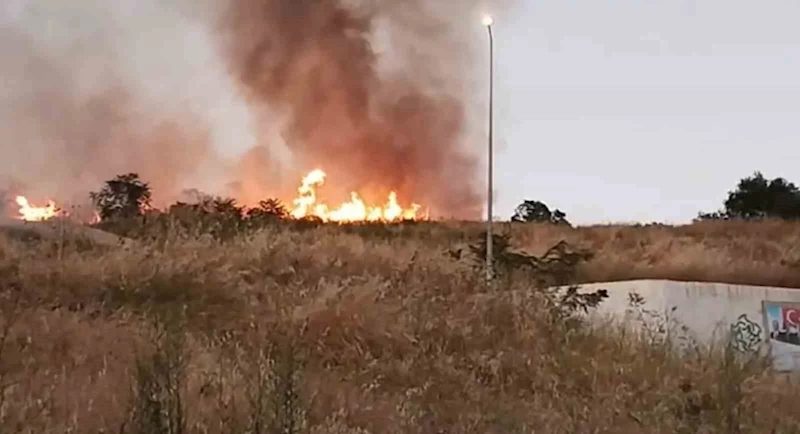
(243, 96)
(95, 89)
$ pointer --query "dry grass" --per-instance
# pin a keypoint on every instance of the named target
(755, 253)
(370, 330)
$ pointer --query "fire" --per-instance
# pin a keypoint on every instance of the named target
(306, 204)
(32, 213)
(354, 210)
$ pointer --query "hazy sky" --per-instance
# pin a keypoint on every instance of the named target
(644, 110)
(612, 111)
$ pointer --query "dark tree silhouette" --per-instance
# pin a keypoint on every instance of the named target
(533, 211)
(756, 197)
(227, 206)
(267, 209)
(124, 196)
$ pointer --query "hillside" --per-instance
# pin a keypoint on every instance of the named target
(765, 253)
(370, 330)
(60, 230)
(754, 253)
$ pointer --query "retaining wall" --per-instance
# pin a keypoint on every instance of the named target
(756, 318)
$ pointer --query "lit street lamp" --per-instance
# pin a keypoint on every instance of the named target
(488, 21)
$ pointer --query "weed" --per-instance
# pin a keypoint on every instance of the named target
(273, 391)
(158, 398)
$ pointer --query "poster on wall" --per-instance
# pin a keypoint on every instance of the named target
(783, 331)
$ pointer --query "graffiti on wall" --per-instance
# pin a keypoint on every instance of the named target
(746, 335)
(783, 322)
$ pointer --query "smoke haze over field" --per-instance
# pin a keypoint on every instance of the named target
(241, 97)
(95, 89)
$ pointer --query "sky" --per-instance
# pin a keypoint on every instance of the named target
(613, 111)
(643, 110)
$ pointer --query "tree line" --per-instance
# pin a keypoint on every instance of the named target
(754, 198)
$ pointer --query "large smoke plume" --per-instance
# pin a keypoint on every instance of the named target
(241, 97)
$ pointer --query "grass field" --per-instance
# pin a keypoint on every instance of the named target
(373, 330)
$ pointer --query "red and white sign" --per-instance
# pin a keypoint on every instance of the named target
(791, 317)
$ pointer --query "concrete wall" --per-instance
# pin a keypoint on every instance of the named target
(708, 312)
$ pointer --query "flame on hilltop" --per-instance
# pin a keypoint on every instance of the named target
(355, 210)
(305, 205)
(32, 213)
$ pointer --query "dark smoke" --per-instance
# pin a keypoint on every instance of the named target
(370, 129)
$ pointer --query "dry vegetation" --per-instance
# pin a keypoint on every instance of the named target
(748, 253)
(371, 330)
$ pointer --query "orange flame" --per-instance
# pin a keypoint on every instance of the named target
(355, 210)
(32, 213)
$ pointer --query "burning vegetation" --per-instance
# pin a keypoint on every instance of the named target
(354, 210)
(380, 93)
(128, 196)
(32, 213)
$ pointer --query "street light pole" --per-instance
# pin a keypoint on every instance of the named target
(488, 22)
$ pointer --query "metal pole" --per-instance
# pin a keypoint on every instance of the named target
(489, 253)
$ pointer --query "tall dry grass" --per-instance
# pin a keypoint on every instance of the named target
(370, 330)
(747, 253)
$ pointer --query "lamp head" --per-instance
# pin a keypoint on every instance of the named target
(488, 20)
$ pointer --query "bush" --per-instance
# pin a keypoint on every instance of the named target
(757, 198)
